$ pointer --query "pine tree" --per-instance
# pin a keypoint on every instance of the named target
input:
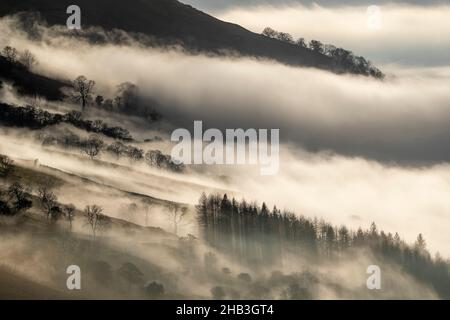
(420, 244)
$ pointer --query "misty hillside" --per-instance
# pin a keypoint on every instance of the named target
(174, 22)
(29, 83)
(94, 123)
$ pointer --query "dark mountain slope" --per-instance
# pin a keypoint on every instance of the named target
(172, 21)
(28, 83)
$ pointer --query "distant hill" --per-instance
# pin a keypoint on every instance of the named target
(171, 20)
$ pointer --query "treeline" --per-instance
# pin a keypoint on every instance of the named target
(342, 58)
(94, 147)
(13, 56)
(17, 199)
(17, 66)
(36, 118)
(256, 236)
(127, 99)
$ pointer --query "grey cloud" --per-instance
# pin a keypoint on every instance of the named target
(219, 5)
(403, 119)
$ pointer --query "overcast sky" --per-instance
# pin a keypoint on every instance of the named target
(216, 5)
(407, 33)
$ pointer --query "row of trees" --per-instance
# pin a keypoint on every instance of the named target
(97, 126)
(14, 200)
(94, 146)
(82, 90)
(35, 118)
(126, 99)
(154, 158)
(342, 58)
(13, 56)
(17, 199)
(253, 234)
(256, 236)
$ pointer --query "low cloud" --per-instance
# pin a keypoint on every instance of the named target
(408, 34)
(404, 119)
(345, 123)
(356, 192)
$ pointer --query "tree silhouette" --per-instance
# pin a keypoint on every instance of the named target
(20, 197)
(175, 215)
(420, 244)
(301, 42)
(93, 146)
(6, 165)
(269, 32)
(96, 219)
(316, 46)
(83, 90)
(258, 237)
(70, 215)
(27, 59)
(48, 200)
(10, 54)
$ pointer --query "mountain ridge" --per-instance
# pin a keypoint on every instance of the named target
(174, 21)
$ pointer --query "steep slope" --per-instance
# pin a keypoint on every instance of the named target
(172, 21)
(29, 83)
(15, 287)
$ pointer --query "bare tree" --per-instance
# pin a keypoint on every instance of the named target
(10, 54)
(301, 42)
(316, 46)
(152, 157)
(6, 165)
(48, 200)
(127, 96)
(70, 214)
(96, 219)
(285, 37)
(98, 125)
(27, 59)
(116, 148)
(147, 207)
(136, 154)
(83, 90)
(20, 197)
(175, 214)
(269, 32)
(99, 101)
(93, 146)
(5, 210)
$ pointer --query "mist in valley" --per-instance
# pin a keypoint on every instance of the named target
(353, 150)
